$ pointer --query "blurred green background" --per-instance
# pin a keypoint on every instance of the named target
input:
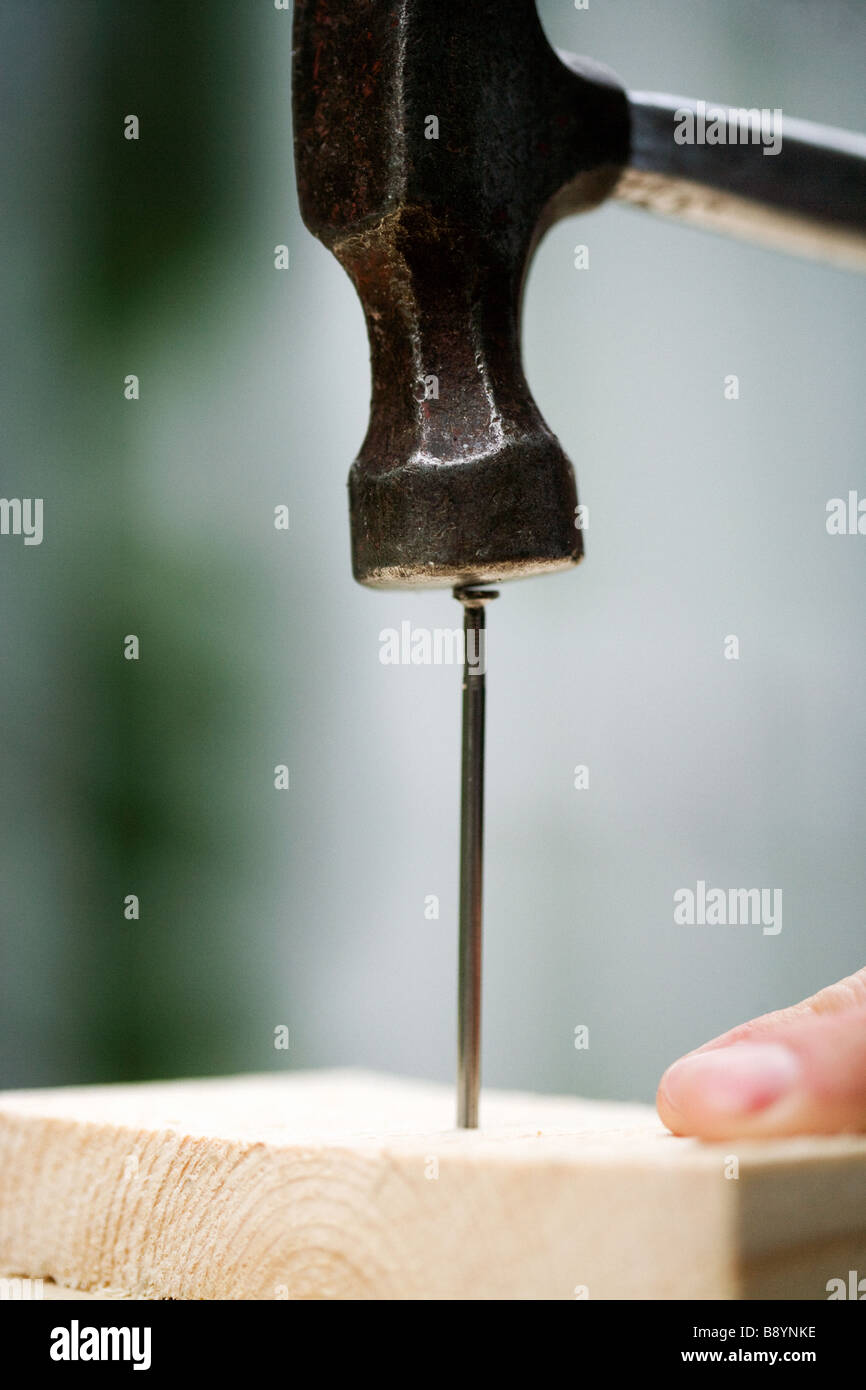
(305, 908)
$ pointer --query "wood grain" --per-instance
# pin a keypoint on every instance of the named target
(351, 1186)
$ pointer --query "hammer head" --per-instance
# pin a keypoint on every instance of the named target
(435, 140)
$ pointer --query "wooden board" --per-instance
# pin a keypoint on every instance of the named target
(346, 1185)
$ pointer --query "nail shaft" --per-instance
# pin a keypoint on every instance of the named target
(471, 857)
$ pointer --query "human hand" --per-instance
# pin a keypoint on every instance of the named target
(801, 1070)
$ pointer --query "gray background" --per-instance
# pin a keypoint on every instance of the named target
(306, 908)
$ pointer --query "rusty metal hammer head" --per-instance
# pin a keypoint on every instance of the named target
(435, 140)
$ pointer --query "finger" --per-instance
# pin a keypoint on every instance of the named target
(806, 1076)
(840, 997)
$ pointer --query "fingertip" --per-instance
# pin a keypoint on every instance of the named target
(718, 1093)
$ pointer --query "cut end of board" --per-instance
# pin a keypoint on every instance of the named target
(345, 1185)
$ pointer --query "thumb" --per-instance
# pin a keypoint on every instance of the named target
(799, 1071)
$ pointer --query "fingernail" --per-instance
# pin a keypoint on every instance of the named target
(738, 1080)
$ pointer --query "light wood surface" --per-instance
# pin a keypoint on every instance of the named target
(347, 1185)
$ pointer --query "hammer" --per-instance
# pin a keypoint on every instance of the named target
(435, 143)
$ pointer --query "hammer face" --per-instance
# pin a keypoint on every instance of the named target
(500, 515)
(433, 144)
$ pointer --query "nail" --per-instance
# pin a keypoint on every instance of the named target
(737, 1080)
